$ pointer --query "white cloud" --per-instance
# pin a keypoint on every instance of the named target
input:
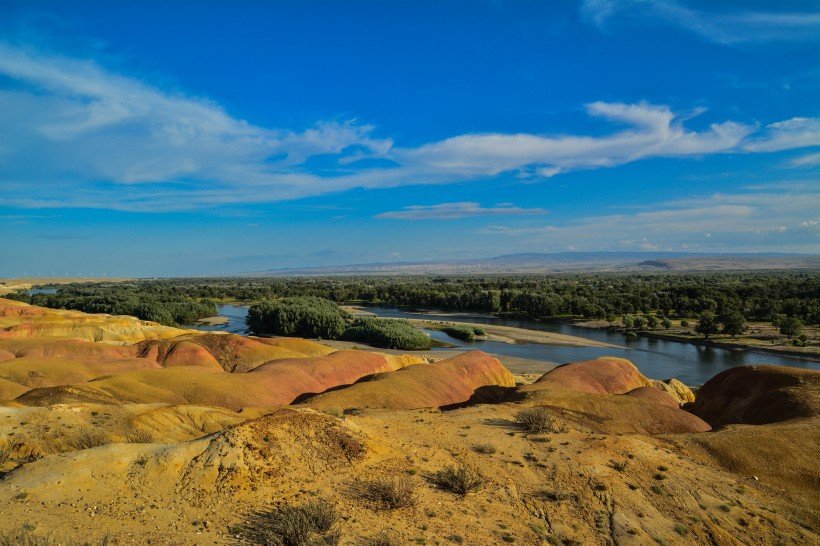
(655, 132)
(787, 135)
(725, 27)
(809, 160)
(452, 211)
(117, 142)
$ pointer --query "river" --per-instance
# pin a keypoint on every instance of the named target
(656, 358)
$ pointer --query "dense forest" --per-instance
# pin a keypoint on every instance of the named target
(138, 299)
(753, 296)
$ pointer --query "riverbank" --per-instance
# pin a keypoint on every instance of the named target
(514, 335)
(761, 338)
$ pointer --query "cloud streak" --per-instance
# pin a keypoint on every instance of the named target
(727, 27)
(74, 134)
(453, 211)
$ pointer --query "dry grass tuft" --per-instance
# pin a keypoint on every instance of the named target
(389, 493)
(310, 524)
(460, 480)
(535, 420)
(88, 438)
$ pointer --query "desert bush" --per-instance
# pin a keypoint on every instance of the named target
(88, 438)
(458, 479)
(5, 451)
(351, 447)
(535, 420)
(487, 449)
(620, 466)
(389, 493)
(139, 437)
(315, 523)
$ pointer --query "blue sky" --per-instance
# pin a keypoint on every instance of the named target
(193, 138)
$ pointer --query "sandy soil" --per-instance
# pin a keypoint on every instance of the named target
(213, 321)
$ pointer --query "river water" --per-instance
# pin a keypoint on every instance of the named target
(656, 358)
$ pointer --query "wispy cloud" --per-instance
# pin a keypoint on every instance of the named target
(116, 142)
(738, 222)
(787, 135)
(452, 211)
(732, 26)
(810, 160)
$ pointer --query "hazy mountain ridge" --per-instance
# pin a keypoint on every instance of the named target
(582, 262)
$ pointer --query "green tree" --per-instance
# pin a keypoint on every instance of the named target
(734, 323)
(790, 327)
(666, 323)
(707, 324)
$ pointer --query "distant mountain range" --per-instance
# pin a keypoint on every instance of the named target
(578, 262)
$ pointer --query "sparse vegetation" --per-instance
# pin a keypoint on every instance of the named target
(88, 438)
(535, 420)
(139, 436)
(382, 539)
(26, 536)
(458, 479)
(486, 449)
(388, 493)
(620, 466)
(314, 523)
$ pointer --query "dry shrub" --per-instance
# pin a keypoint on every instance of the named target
(382, 539)
(487, 449)
(138, 436)
(315, 523)
(88, 438)
(351, 447)
(389, 493)
(26, 536)
(460, 480)
(5, 451)
(535, 420)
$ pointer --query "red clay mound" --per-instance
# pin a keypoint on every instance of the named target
(653, 395)
(758, 395)
(228, 352)
(273, 384)
(448, 382)
(600, 376)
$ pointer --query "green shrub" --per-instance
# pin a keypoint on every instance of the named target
(302, 316)
(464, 332)
(387, 334)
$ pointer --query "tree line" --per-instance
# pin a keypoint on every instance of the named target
(762, 296)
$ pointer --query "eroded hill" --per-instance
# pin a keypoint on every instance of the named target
(149, 435)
